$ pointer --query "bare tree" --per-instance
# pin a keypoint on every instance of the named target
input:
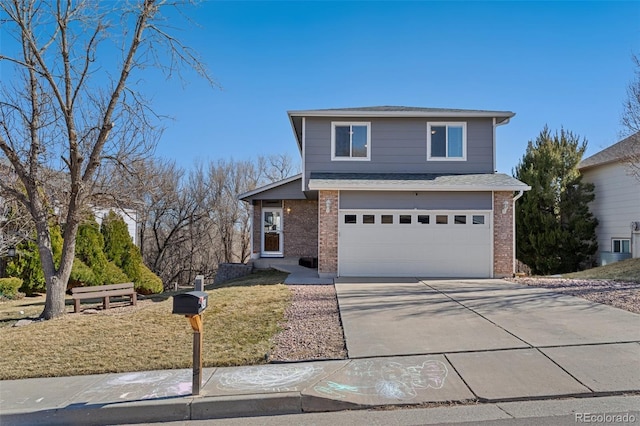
(171, 222)
(15, 223)
(64, 115)
(276, 167)
(631, 120)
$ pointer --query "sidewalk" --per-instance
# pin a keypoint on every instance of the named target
(279, 389)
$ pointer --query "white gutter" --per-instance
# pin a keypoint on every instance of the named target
(304, 156)
(503, 115)
(404, 186)
(520, 194)
(496, 124)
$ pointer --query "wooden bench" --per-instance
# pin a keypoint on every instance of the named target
(103, 292)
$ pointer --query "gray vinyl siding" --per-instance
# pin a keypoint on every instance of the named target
(288, 191)
(398, 145)
(415, 200)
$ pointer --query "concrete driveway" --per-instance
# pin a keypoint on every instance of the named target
(505, 340)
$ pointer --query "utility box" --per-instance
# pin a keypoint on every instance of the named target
(198, 284)
(191, 303)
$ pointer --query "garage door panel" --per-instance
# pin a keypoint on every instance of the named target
(415, 249)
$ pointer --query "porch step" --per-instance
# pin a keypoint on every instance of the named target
(274, 262)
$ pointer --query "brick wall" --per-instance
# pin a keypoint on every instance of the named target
(231, 271)
(300, 228)
(328, 233)
(503, 234)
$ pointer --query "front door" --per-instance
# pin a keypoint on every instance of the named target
(272, 232)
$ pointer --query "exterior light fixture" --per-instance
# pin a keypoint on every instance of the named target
(327, 205)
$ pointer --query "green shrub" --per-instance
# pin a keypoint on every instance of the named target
(81, 275)
(9, 287)
(132, 264)
(116, 238)
(26, 266)
(90, 248)
(115, 275)
(120, 250)
(149, 282)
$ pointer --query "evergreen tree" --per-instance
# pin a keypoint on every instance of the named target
(117, 241)
(90, 250)
(27, 266)
(556, 231)
(120, 249)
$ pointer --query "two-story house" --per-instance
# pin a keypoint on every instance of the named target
(617, 200)
(392, 191)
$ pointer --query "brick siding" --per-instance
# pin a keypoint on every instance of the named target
(328, 233)
(503, 234)
(300, 228)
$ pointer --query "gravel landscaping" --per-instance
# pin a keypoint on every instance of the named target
(312, 328)
(619, 294)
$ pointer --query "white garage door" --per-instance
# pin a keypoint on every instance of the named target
(414, 243)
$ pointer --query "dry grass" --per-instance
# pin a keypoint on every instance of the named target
(239, 325)
(626, 270)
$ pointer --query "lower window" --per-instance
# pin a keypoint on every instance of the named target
(621, 245)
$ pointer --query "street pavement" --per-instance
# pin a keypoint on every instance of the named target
(411, 342)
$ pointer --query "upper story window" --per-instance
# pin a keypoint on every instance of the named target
(350, 141)
(447, 141)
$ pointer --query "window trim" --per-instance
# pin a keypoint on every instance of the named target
(350, 157)
(462, 124)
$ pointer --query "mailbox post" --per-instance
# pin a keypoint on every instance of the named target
(191, 305)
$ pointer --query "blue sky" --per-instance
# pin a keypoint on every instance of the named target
(556, 63)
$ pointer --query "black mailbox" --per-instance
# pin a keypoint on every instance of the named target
(191, 303)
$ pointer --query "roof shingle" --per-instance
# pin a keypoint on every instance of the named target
(617, 152)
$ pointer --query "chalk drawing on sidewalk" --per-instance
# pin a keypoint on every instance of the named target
(275, 378)
(158, 384)
(391, 380)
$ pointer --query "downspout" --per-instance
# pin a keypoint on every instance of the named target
(251, 212)
(304, 157)
(516, 198)
(496, 124)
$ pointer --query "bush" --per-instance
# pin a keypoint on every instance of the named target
(81, 275)
(116, 238)
(115, 275)
(28, 268)
(119, 248)
(132, 264)
(27, 265)
(90, 249)
(149, 282)
(9, 287)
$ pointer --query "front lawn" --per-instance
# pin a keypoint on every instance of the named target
(625, 270)
(242, 318)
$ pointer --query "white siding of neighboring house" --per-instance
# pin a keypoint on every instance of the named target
(129, 216)
(617, 202)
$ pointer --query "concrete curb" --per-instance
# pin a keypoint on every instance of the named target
(219, 407)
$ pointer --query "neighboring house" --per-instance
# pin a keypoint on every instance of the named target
(130, 217)
(392, 191)
(617, 201)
